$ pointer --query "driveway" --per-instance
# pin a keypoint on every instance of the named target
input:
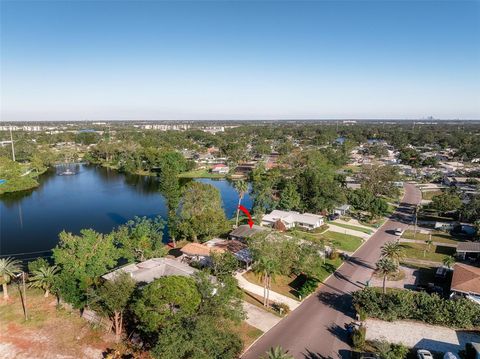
(420, 335)
(259, 318)
(315, 329)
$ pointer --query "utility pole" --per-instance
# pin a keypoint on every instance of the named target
(11, 141)
(24, 297)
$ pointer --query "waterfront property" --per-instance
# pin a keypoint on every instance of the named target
(149, 270)
(291, 219)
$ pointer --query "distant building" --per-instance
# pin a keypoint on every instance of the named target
(220, 169)
(293, 219)
(342, 210)
(242, 232)
(470, 250)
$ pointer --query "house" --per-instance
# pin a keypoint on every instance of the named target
(468, 250)
(237, 248)
(220, 169)
(242, 232)
(199, 252)
(466, 281)
(149, 270)
(342, 210)
(292, 219)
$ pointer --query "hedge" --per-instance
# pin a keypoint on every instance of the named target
(406, 304)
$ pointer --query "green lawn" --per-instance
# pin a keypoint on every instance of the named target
(437, 236)
(429, 194)
(352, 227)
(436, 253)
(200, 174)
(343, 241)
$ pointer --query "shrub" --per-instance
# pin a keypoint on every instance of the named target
(405, 304)
(281, 308)
(308, 287)
(358, 337)
(391, 351)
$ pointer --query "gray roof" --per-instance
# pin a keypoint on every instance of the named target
(469, 247)
(152, 269)
(244, 231)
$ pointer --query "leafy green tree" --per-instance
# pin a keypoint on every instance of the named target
(446, 202)
(167, 299)
(242, 188)
(141, 239)
(44, 277)
(386, 267)
(223, 264)
(470, 212)
(197, 338)
(277, 353)
(37, 264)
(9, 267)
(82, 260)
(379, 180)
(289, 197)
(201, 213)
(113, 298)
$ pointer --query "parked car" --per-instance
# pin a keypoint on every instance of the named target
(424, 354)
(398, 231)
(333, 216)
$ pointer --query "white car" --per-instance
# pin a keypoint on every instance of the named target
(424, 354)
(398, 231)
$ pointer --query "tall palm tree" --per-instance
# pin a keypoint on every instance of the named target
(449, 261)
(242, 188)
(44, 278)
(385, 267)
(267, 268)
(428, 244)
(8, 268)
(394, 251)
(277, 353)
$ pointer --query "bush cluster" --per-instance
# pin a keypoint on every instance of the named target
(405, 304)
(308, 287)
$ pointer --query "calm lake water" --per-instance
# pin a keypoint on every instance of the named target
(95, 198)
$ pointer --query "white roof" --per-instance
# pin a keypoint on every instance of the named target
(292, 217)
(152, 269)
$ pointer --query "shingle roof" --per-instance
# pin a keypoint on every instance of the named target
(468, 247)
(244, 231)
(466, 279)
(197, 249)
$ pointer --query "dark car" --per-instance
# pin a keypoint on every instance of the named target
(333, 216)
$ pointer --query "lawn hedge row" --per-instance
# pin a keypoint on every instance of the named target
(406, 304)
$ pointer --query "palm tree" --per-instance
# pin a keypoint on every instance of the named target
(449, 261)
(8, 268)
(277, 353)
(385, 267)
(44, 278)
(428, 243)
(393, 250)
(267, 268)
(242, 188)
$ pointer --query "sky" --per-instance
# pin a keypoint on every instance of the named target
(228, 60)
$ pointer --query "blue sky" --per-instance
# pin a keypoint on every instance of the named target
(86, 60)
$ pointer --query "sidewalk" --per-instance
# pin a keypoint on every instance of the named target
(258, 290)
(334, 228)
(259, 318)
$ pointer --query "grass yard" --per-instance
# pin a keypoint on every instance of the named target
(49, 333)
(437, 236)
(352, 227)
(428, 195)
(200, 174)
(247, 333)
(436, 253)
(257, 301)
(345, 242)
(286, 285)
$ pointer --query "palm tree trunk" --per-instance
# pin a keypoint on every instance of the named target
(238, 209)
(47, 292)
(384, 284)
(5, 291)
(264, 290)
(268, 290)
(116, 319)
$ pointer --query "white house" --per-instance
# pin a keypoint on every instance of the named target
(220, 169)
(292, 219)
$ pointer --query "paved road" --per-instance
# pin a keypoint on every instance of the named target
(315, 330)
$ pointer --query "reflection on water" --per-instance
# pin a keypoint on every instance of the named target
(95, 198)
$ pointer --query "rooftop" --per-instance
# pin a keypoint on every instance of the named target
(292, 217)
(466, 279)
(469, 247)
(244, 231)
(198, 249)
(152, 269)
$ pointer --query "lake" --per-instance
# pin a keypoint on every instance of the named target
(96, 197)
